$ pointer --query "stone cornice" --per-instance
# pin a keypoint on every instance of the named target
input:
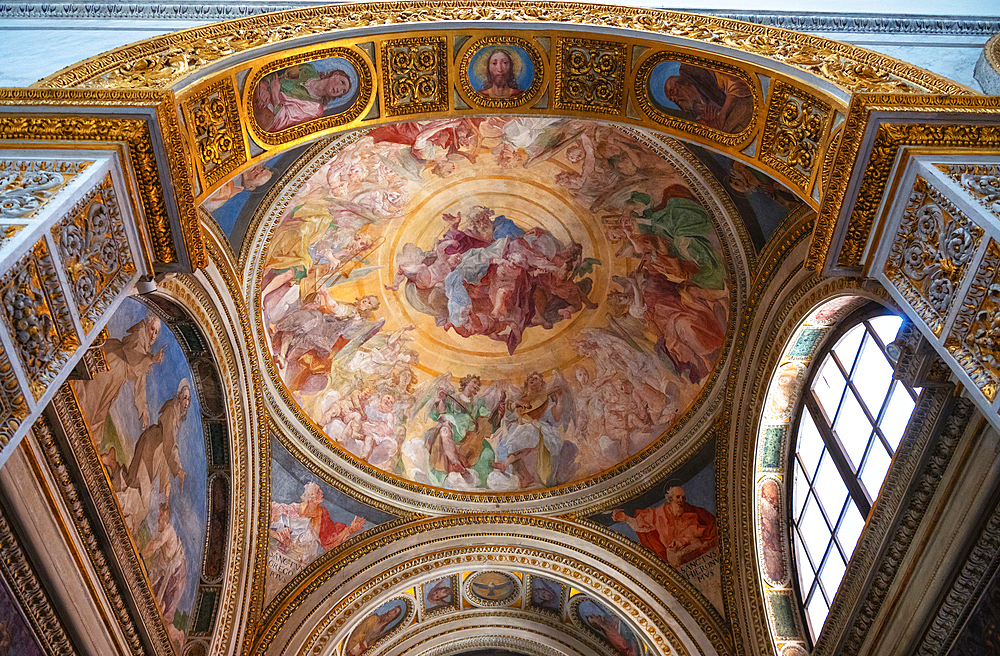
(797, 21)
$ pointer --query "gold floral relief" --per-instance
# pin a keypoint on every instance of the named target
(415, 75)
(795, 126)
(213, 116)
(161, 62)
(590, 75)
(931, 253)
(888, 140)
(94, 252)
(37, 317)
(974, 340)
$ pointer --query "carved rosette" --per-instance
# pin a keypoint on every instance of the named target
(794, 129)
(591, 75)
(215, 120)
(27, 186)
(37, 317)
(94, 252)
(931, 253)
(974, 340)
(982, 182)
(415, 75)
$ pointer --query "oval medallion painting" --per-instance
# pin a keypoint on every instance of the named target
(494, 305)
(502, 72)
(717, 99)
(304, 92)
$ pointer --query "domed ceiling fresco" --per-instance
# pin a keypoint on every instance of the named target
(495, 304)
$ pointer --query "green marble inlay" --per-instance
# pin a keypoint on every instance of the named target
(770, 452)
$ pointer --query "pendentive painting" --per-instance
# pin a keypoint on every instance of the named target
(717, 97)
(608, 626)
(144, 418)
(305, 92)
(502, 72)
(676, 520)
(495, 304)
(308, 519)
(378, 625)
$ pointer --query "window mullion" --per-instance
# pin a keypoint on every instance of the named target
(836, 450)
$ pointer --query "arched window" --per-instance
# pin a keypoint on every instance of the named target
(851, 418)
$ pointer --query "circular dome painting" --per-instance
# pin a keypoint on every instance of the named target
(494, 304)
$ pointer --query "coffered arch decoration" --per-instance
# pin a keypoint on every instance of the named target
(598, 599)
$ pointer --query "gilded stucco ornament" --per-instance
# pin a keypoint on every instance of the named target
(37, 317)
(94, 252)
(946, 136)
(415, 77)
(931, 253)
(795, 128)
(218, 135)
(137, 142)
(981, 181)
(590, 75)
(974, 341)
(164, 61)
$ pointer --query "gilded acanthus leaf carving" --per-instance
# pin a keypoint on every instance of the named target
(94, 252)
(931, 253)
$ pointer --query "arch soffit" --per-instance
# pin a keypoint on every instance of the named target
(329, 601)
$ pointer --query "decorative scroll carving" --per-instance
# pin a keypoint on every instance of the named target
(27, 185)
(94, 252)
(37, 317)
(974, 341)
(214, 117)
(590, 75)
(415, 77)
(931, 253)
(888, 140)
(795, 126)
(981, 181)
(136, 134)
